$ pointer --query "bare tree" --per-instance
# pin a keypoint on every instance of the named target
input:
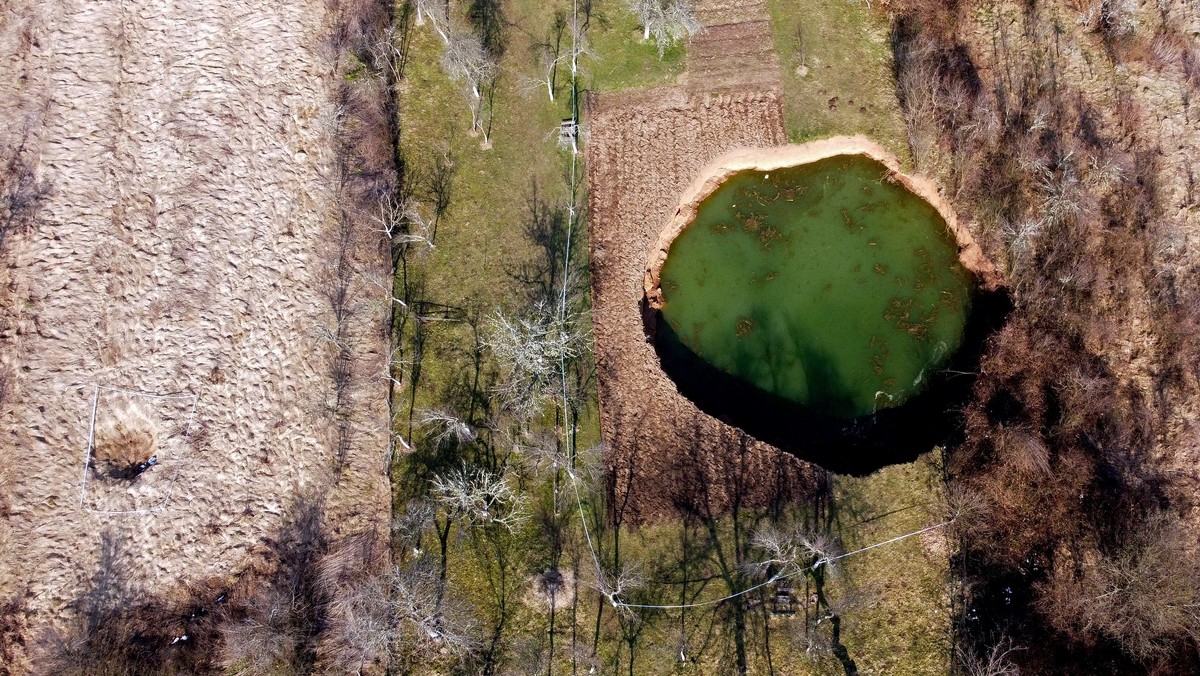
(402, 223)
(618, 585)
(409, 526)
(791, 552)
(466, 61)
(550, 53)
(679, 22)
(579, 41)
(389, 51)
(1144, 597)
(443, 426)
(994, 661)
(531, 352)
(437, 12)
(540, 453)
(401, 615)
(667, 21)
(448, 624)
(480, 497)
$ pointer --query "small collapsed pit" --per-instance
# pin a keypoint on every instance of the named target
(822, 301)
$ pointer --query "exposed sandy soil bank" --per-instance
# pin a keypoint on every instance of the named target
(189, 244)
(767, 159)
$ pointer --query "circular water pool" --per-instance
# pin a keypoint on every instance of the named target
(827, 284)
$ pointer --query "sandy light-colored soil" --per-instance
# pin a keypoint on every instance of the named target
(187, 246)
(720, 169)
(644, 149)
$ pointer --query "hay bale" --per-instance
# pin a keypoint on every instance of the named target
(123, 440)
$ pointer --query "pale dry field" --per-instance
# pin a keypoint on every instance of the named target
(188, 245)
(644, 149)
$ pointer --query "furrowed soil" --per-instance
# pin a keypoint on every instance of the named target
(644, 148)
(183, 239)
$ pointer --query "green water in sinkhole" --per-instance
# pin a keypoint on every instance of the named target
(824, 284)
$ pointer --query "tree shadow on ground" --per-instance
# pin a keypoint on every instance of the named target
(855, 446)
(272, 616)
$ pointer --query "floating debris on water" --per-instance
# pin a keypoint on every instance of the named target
(809, 307)
(744, 326)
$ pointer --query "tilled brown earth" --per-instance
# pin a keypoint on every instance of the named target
(187, 246)
(739, 57)
(644, 148)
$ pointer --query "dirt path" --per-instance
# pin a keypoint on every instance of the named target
(735, 51)
(643, 150)
(184, 248)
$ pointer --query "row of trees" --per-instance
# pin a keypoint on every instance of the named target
(477, 453)
(471, 52)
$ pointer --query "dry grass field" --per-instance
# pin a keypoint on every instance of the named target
(176, 224)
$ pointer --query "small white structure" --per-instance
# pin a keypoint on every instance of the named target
(568, 134)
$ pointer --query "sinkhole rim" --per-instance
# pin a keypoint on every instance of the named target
(855, 446)
(714, 174)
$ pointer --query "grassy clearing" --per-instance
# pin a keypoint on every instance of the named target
(902, 623)
(837, 72)
(621, 60)
(481, 232)
(892, 600)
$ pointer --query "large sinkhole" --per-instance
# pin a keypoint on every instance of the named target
(822, 307)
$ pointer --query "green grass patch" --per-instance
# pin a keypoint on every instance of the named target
(621, 59)
(480, 240)
(899, 619)
(892, 600)
(837, 72)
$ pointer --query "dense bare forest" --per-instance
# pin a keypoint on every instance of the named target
(1076, 540)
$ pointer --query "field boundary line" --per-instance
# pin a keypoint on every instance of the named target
(169, 485)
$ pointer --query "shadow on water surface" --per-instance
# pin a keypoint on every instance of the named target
(855, 446)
